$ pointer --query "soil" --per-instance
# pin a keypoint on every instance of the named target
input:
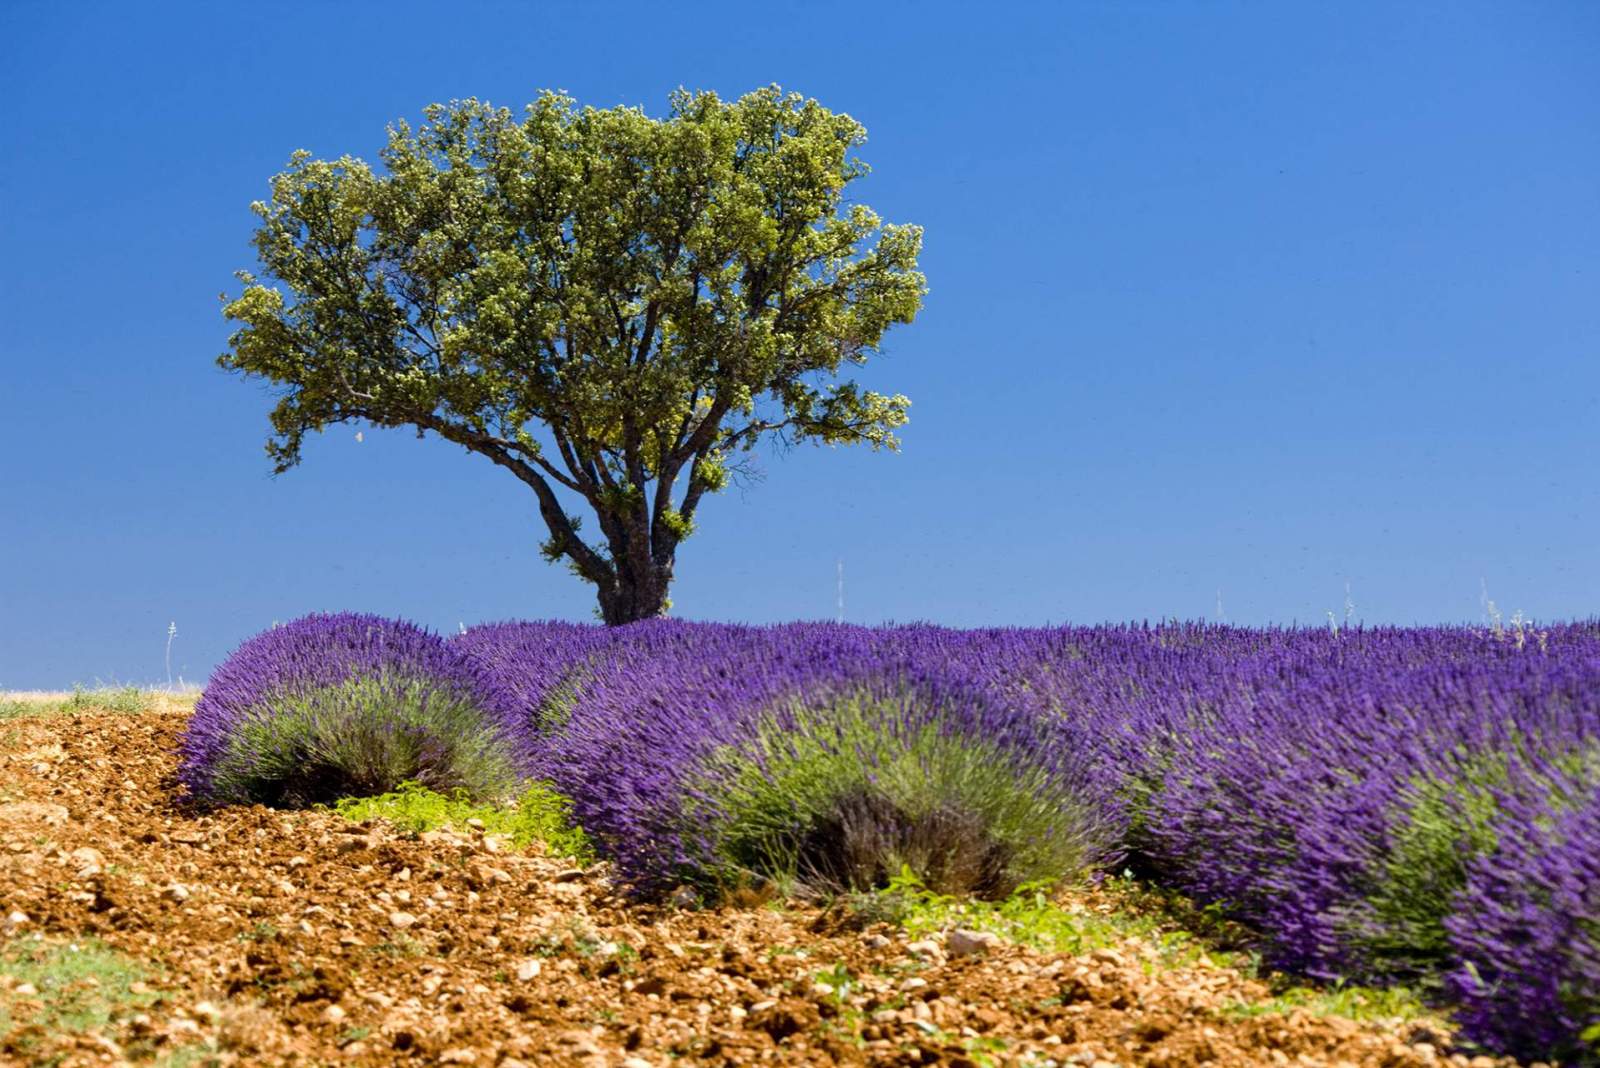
(300, 938)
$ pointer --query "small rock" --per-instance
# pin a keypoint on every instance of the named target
(176, 892)
(206, 1011)
(964, 943)
(25, 990)
(333, 1014)
(875, 941)
(402, 920)
(762, 1006)
(87, 855)
(570, 875)
(636, 1062)
(475, 823)
(684, 897)
(458, 1056)
(528, 969)
(927, 947)
(17, 919)
(916, 982)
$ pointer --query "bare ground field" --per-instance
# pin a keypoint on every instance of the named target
(133, 930)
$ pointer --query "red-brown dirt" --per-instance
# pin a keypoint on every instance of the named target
(300, 938)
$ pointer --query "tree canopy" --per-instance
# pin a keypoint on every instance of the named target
(609, 306)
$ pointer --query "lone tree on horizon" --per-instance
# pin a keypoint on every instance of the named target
(609, 306)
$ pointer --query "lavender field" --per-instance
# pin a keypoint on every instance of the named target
(1410, 806)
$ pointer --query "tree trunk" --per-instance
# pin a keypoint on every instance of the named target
(633, 598)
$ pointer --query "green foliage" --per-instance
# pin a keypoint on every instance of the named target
(1446, 824)
(539, 814)
(1442, 826)
(81, 986)
(363, 736)
(979, 808)
(591, 298)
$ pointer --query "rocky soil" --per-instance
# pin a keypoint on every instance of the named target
(299, 938)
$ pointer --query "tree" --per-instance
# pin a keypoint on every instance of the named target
(610, 307)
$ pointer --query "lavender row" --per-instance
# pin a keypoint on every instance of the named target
(1412, 805)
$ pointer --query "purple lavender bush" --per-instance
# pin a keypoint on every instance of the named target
(1526, 931)
(1388, 804)
(1335, 792)
(332, 706)
(824, 757)
(532, 672)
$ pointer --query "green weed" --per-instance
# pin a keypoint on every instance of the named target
(1031, 916)
(1350, 1002)
(539, 814)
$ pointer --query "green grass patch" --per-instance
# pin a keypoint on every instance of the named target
(539, 814)
(128, 700)
(1350, 1002)
(1033, 916)
(1182, 933)
(79, 986)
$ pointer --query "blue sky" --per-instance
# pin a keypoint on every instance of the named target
(1235, 303)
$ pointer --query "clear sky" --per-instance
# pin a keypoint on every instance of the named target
(1232, 307)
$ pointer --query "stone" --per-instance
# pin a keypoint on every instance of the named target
(401, 920)
(176, 892)
(964, 943)
(86, 856)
